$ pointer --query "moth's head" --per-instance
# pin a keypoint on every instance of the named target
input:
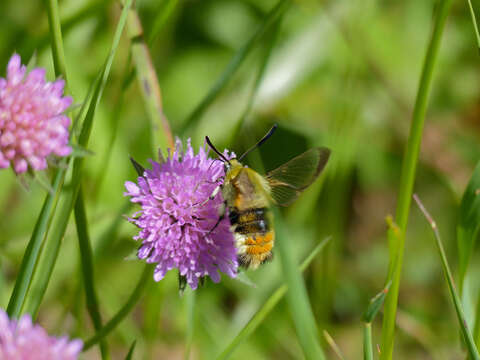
(233, 165)
(232, 168)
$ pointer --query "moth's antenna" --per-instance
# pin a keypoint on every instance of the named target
(262, 140)
(223, 158)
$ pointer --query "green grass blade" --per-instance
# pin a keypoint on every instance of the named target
(474, 22)
(110, 234)
(56, 38)
(52, 246)
(270, 44)
(84, 13)
(467, 335)
(114, 119)
(407, 179)
(467, 233)
(131, 350)
(468, 224)
(148, 82)
(236, 61)
(124, 311)
(152, 310)
(190, 305)
(32, 251)
(166, 8)
(297, 297)
(336, 349)
(86, 257)
(268, 306)
(476, 328)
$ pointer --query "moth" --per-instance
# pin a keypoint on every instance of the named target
(249, 195)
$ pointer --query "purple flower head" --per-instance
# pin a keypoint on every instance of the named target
(175, 221)
(32, 123)
(22, 340)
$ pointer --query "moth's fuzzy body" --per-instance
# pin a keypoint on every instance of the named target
(247, 196)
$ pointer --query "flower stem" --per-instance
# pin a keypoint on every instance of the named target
(367, 342)
(190, 311)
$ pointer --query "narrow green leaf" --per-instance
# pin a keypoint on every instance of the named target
(236, 61)
(75, 129)
(125, 310)
(52, 246)
(333, 345)
(268, 306)
(78, 151)
(86, 257)
(407, 179)
(32, 63)
(467, 335)
(32, 251)
(375, 304)
(468, 224)
(148, 82)
(244, 279)
(476, 327)
(372, 310)
(132, 349)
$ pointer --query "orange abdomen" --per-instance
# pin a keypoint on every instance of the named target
(253, 236)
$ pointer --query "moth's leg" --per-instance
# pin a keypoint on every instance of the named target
(205, 182)
(211, 197)
(223, 211)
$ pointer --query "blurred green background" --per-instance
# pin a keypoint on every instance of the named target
(342, 74)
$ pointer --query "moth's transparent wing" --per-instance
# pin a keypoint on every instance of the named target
(290, 179)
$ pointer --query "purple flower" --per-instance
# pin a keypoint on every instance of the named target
(22, 340)
(175, 225)
(32, 123)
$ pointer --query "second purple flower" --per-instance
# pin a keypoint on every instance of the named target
(176, 231)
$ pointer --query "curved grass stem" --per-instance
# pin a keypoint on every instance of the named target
(396, 244)
(467, 335)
